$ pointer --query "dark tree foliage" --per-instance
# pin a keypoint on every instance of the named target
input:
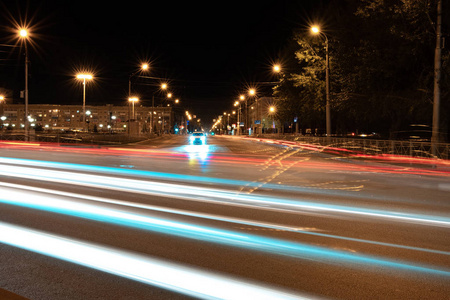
(382, 63)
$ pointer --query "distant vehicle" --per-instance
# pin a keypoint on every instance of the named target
(197, 138)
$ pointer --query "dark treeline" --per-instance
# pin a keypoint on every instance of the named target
(381, 69)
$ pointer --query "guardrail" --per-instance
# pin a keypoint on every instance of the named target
(372, 146)
(82, 138)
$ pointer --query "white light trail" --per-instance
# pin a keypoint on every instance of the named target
(188, 281)
(62, 205)
(198, 193)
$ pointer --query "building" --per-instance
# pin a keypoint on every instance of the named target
(98, 118)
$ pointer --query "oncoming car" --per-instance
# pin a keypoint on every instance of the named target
(197, 138)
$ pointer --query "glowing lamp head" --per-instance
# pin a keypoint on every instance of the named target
(84, 76)
(144, 67)
(315, 29)
(23, 33)
(272, 109)
(251, 92)
(277, 68)
(133, 99)
(164, 86)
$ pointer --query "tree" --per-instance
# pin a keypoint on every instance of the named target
(300, 91)
(381, 60)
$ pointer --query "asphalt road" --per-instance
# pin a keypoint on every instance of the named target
(234, 219)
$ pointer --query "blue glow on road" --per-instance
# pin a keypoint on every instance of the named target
(180, 279)
(62, 205)
(197, 193)
(240, 221)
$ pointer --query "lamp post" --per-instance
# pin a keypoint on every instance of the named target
(316, 30)
(84, 77)
(144, 67)
(163, 87)
(252, 93)
(23, 33)
(132, 100)
(3, 118)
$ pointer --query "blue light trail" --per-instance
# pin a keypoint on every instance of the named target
(67, 205)
(197, 193)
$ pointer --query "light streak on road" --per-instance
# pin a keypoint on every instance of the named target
(197, 193)
(69, 197)
(180, 279)
(62, 205)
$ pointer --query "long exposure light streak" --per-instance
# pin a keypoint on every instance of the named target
(196, 193)
(180, 279)
(204, 233)
(70, 196)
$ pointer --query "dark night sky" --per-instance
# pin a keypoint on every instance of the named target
(208, 51)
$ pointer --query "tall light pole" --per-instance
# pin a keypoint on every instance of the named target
(238, 121)
(84, 77)
(163, 87)
(251, 93)
(316, 30)
(23, 33)
(144, 67)
(437, 81)
(132, 100)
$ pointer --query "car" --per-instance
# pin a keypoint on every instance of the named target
(197, 138)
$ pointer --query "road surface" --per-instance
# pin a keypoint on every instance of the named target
(235, 219)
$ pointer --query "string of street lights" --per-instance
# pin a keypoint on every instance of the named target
(315, 30)
(24, 37)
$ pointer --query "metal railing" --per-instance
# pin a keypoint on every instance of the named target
(372, 146)
(82, 138)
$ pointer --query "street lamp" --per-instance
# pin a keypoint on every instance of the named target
(162, 87)
(316, 31)
(23, 34)
(84, 77)
(277, 68)
(132, 100)
(144, 67)
(249, 122)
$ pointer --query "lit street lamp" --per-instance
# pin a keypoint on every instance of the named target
(23, 34)
(132, 100)
(316, 30)
(144, 67)
(162, 87)
(84, 77)
(277, 68)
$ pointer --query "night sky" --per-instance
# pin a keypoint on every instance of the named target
(207, 51)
